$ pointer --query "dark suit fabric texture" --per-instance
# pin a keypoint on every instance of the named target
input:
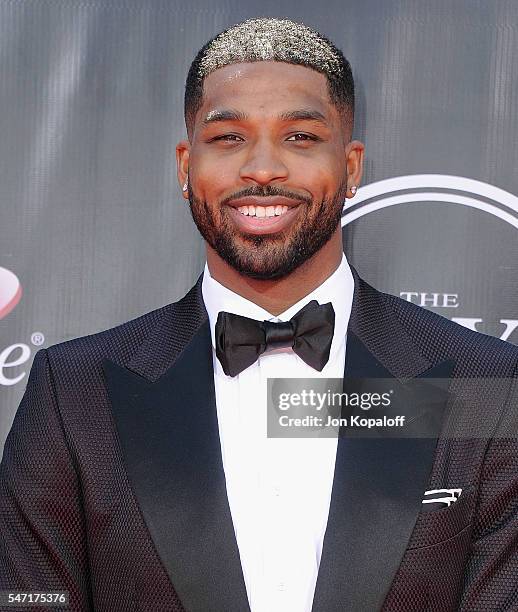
(112, 485)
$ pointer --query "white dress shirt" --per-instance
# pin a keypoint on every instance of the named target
(279, 489)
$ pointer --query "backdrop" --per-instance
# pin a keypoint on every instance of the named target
(93, 230)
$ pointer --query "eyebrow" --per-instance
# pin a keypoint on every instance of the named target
(215, 116)
(303, 115)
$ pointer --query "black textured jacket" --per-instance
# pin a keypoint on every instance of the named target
(112, 485)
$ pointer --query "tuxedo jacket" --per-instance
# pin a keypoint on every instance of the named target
(112, 485)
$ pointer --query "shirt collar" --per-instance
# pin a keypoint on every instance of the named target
(337, 289)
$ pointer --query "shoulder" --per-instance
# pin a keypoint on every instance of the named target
(75, 358)
(439, 338)
(79, 361)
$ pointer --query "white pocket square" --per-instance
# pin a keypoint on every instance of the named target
(441, 496)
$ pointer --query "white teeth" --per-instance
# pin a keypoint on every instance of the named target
(263, 211)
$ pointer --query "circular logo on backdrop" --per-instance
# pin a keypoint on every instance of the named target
(430, 188)
(10, 291)
(445, 248)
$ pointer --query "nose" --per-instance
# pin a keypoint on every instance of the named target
(263, 164)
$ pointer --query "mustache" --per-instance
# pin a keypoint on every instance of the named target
(264, 192)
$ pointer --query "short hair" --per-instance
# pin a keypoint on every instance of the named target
(269, 39)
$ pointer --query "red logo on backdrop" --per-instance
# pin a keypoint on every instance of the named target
(10, 291)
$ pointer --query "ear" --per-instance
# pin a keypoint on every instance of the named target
(354, 157)
(182, 164)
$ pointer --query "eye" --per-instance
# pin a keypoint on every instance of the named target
(301, 137)
(227, 138)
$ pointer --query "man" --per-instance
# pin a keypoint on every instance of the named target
(138, 473)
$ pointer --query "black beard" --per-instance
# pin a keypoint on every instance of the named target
(269, 256)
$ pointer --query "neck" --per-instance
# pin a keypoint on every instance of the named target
(278, 295)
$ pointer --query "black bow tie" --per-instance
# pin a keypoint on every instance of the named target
(240, 340)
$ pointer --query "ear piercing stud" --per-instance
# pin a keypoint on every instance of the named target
(354, 189)
(184, 188)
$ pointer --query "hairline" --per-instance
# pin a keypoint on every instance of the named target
(345, 110)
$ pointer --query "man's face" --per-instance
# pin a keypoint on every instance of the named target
(267, 166)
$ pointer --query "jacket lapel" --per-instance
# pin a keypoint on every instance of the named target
(164, 408)
(378, 483)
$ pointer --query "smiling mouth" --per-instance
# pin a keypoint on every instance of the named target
(257, 216)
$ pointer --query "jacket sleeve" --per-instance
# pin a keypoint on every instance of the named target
(42, 528)
(491, 578)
